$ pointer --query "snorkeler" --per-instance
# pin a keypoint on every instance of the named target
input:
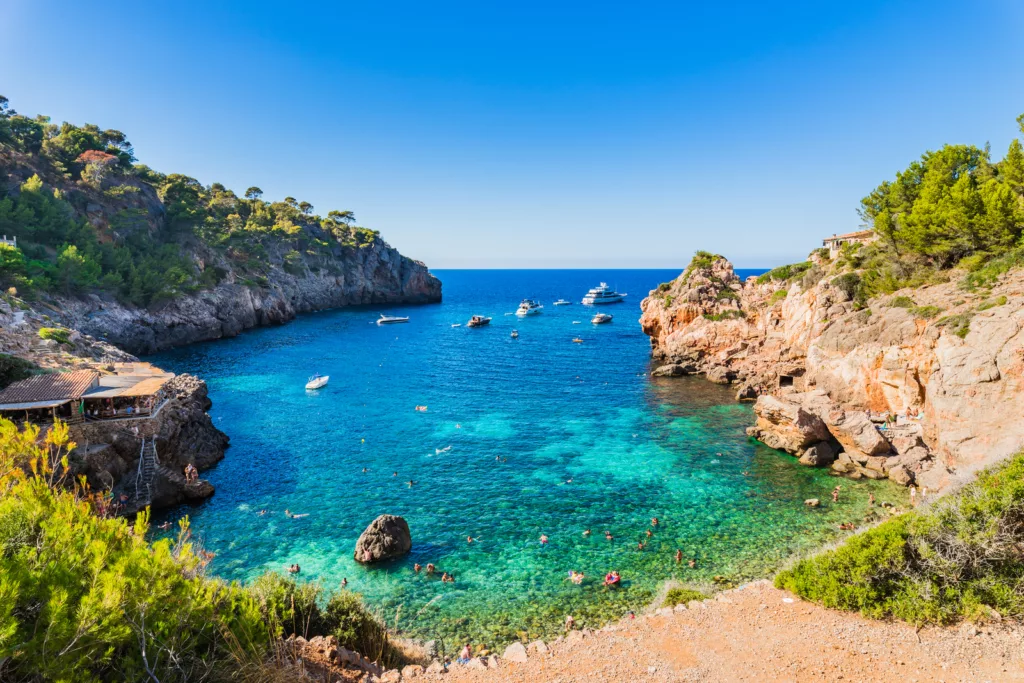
(586, 532)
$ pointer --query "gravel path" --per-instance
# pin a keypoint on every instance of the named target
(759, 633)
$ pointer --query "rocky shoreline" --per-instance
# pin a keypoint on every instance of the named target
(824, 370)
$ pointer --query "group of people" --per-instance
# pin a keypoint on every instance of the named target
(431, 569)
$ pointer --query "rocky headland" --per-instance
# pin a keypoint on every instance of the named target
(825, 370)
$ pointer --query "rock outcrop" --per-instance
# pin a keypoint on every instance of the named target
(374, 274)
(951, 357)
(386, 538)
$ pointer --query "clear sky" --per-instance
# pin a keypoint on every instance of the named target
(536, 134)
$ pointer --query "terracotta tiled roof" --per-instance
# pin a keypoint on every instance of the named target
(851, 235)
(58, 385)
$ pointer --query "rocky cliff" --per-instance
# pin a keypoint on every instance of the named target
(826, 371)
(108, 452)
(374, 274)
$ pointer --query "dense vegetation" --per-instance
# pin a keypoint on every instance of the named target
(960, 558)
(84, 597)
(89, 218)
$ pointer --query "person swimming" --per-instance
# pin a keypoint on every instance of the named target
(469, 539)
(543, 539)
(416, 567)
(586, 532)
(430, 567)
(410, 482)
(640, 545)
(344, 582)
(654, 521)
(294, 569)
(608, 535)
(364, 470)
(692, 563)
(262, 512)
(679, 556)
(165, 526)
(649, 533)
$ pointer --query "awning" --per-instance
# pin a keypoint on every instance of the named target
(32, 405)
(128, 387)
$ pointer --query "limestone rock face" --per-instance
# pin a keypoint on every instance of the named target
(786, 425)
(516, 652)
(965, 394)
(386, 538)
(818, 455)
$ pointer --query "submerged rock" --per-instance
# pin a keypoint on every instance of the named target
(386, 538)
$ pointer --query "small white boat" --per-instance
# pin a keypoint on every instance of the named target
(602, 295)
(317, 381)
(456, 324)
(515, 334)
(528, 307)
(478, 321)
(577, 322)
(562, 302)
(601, 318)
(391, 319)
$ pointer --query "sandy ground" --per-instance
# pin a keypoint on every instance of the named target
(759, 633)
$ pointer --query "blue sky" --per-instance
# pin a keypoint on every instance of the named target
(536, 134)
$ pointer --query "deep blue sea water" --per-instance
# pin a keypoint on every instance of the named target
(509, 423)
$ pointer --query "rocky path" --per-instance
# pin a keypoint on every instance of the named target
(759, 633)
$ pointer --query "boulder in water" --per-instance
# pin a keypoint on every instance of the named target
(386, 538)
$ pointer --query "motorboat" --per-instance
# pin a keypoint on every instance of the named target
(515, 334)
(456, 324)
(577, 340)
(603, 294)
(601, 318)
(391, 319)
(528, 307)
(562, 302)
(317, 381)
(478, 321)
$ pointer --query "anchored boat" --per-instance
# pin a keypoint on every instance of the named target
(603, 295)
(391, 320)
(478, 321)
(601, 318)
(317, 381)
(528, 307)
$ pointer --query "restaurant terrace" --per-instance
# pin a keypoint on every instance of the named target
(130, 390)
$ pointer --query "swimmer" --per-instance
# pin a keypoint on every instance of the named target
(543, 539)
(569, 480)
(679, 556)
(608, 535)
(394, 474)
(410, 482)
(458, 426)
(262, 512)
(430, 567)
(648, 532)
(287, 513)
(654, 521)
(640, 545)
(416, 567)
(344, 582)
(364, 470)
(444, 577)
(165, 526)
(586, 533)
(469, 539)
(692, 563)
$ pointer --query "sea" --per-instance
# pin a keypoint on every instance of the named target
(537, 435)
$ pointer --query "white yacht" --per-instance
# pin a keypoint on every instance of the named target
(603, 295)
(601, 318)
(528, 307)
(563, 302)
(317, 381)
(391, 320)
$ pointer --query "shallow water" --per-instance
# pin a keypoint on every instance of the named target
(522, 417)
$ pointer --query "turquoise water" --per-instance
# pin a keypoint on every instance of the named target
(521, 417)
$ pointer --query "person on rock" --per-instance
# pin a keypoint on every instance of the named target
(465, 655)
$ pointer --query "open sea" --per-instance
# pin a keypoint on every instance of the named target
(521, 437)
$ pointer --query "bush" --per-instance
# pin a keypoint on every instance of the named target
(726, 294)
(959, 324)
(681, 596)
(14, 369)
(778, 296)
(783, 273)
(725, 315)
(664, 286)
(955, 560)
(992, 303)
(925, 312)
(702, 260)
(57, 334)
(847, 283)
(902, 302)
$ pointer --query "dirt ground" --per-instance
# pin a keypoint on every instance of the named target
(759, 633)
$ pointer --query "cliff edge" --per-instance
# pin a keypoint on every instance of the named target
(944, 364)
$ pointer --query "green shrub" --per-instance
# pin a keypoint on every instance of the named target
(668, 300)
(959, 324)
(902, 302)
(992, 303)
(13, 369)
(726, 294)
(702, 260)
(951, 561)
(925, 312)
(778, 296)
(58, 334)
(783, 273)
(847, 283)
(681, 596)
(725, 315)
(664, 286)
(812, 277)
